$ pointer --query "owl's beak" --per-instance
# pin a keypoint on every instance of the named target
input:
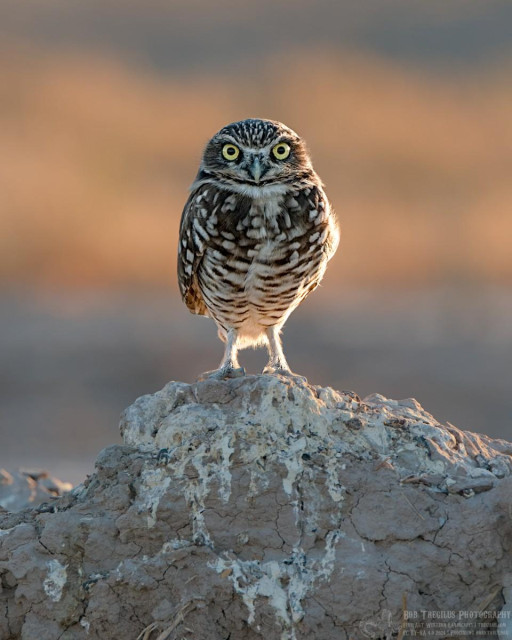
(256, 169)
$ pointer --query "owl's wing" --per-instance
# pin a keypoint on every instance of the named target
(193, 240)
(318, 228)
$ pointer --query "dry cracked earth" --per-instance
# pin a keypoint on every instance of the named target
(263, 507)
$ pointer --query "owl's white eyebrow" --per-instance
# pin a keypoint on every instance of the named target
(270, 146)
(243, 147)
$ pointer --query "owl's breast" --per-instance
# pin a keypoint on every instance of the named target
(258, 268)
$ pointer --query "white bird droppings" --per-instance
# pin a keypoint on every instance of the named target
(55, 580)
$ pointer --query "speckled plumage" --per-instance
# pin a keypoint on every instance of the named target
(255, 238)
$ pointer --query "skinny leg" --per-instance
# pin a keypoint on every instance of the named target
(277, 362)
(229, 367)
(230, 359)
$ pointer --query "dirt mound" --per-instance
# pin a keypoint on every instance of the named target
(264, 508)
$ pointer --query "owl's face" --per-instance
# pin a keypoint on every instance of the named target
(256, 153)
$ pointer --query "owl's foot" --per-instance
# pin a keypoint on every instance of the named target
(223, 373)
(279, 371)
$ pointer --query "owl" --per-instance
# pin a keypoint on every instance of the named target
(255, 237)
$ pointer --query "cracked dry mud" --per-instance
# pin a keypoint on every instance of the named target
(259, 507)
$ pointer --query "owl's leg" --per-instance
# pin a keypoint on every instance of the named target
(229, 367)
(230, 360)
(277, 362)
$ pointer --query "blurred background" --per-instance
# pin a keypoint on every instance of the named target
(104, 109)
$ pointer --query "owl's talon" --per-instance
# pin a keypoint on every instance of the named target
(276, 371)
(239, 372)
(222, 374)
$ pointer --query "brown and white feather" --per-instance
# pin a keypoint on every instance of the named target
(248, 253)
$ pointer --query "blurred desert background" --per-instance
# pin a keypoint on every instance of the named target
(104, 110)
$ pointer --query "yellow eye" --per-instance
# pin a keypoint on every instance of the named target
(281, 151)
(230, 152)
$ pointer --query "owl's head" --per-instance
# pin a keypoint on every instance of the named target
(256, 153)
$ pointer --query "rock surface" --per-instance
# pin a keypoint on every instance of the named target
(260, 507)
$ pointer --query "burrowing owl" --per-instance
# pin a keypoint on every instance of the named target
(256, 234)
